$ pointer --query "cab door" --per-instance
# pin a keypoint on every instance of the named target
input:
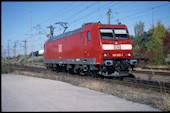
(85, 38)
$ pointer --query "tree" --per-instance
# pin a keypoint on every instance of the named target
(145, 37)
(155, 45)
(166, 45)
(139, 29)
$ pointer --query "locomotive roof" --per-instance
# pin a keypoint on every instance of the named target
(69, 33)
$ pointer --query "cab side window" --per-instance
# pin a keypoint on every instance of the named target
(88, 36)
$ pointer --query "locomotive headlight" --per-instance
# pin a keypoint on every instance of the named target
(106, 54)
(127, 54)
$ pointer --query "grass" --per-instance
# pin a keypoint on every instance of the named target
(165, 105)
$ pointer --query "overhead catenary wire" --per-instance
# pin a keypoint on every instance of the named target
(58, 13)
(94, 11)
(143, 11)
(81, 11)
(52, 16)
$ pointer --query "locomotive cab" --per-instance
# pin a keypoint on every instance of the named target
(117, 51)
(116, 43)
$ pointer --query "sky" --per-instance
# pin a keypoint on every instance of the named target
(16, 19)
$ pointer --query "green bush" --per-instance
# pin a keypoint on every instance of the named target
(36, 59)
(3, 69)
(21, 59)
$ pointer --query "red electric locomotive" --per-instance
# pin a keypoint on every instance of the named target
(94, 49)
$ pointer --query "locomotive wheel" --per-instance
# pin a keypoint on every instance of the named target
(63, 69)
(57, 70)
(71, 71)
(94, 74)
(88, 74)
(77, 72)
(102, 76)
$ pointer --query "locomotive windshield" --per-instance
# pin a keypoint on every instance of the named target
(121, 33)
(107, 33)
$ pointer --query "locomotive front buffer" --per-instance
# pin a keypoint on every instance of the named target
(117, 67)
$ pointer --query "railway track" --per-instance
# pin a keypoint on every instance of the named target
(132, 82)
(155, 68)
(156, 85)
(152, 72)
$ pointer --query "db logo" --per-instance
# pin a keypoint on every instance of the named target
(60, 48)
(116, 47)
